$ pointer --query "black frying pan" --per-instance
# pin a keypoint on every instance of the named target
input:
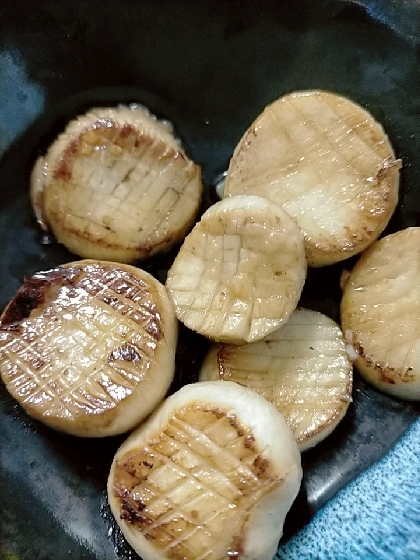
(209, 67)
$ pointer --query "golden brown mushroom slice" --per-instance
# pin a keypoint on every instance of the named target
(302, 368)
(88, 348)
(210, 475)
(116, 185)
(328, 163)
(240, 272)
(380, 314)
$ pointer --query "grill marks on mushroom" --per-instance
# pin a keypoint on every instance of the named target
(200, 481)
(88, 348)
(240, 272)
(161, 516)
(116, 185)
(302, 368)
(380, 311)
(328, 163)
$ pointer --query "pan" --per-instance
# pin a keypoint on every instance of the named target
(209, 67)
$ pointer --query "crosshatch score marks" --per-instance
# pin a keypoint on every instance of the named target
(116, 185)
(85, 346)
(190, 488)
(328, 163)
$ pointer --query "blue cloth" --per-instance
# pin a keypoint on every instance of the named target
(375, 517)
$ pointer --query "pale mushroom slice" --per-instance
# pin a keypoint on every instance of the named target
(328, 163)
(302, 368)
(116, 185)
(88, 348)
(240, 272)
(380, 314)
(210, 476)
